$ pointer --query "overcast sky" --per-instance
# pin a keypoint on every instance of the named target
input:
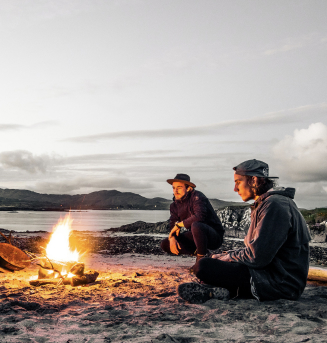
(100, 94)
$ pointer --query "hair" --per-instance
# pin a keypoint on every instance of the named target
(261, 186)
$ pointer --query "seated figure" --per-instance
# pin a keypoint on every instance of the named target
(274, 263)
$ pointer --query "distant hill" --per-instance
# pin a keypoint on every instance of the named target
(18, 199)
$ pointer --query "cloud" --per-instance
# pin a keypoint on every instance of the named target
(41, 125)
(311, 194)
(44, 124)
(303, 156)
(18, 12)
(89, 184)
(294, 43)
(7, 127)
(283, 48)
(25, 160)
(276, 118)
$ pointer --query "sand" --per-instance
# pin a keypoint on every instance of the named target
(134, 300)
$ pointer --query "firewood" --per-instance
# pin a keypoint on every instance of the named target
(85, 279)
(41, 282)
(78, 269)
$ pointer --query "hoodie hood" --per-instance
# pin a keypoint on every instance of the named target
(287, 192)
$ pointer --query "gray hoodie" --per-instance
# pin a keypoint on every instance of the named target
(277, 246)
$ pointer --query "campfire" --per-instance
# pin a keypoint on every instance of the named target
(60, 264)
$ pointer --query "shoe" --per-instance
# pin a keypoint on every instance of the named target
(195, 293)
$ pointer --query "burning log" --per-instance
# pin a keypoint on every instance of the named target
(42, 282)
(67, 273)
(78, 269)
(73, 281)
(60, 264)
(85, 279)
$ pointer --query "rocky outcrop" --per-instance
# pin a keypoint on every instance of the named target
(143, 227)
(318, 232)
(235, 220)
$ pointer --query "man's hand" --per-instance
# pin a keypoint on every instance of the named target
(174, 231)
(216, 256)
(174, 245)
(222, 257)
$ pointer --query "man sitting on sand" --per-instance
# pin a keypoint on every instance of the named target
(191, 209)
(274, 263)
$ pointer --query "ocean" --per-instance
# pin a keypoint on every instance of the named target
(82, 220)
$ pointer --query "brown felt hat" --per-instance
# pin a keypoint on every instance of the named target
(182, 178)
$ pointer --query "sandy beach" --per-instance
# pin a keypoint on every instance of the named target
(134, 300)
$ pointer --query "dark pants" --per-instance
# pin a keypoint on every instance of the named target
(233, 276)
(197, 241)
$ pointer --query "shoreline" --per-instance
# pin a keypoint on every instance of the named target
(117, 243)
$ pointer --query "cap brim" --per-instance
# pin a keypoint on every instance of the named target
(249, 173)
(170, 181)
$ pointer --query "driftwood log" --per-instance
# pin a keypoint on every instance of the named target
(317, 274)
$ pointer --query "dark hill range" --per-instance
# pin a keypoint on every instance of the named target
(17, 199)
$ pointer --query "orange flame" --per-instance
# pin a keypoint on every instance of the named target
(58, 248)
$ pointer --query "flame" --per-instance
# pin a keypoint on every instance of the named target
(58, 248)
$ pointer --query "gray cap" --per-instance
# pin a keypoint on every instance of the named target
(254, 168)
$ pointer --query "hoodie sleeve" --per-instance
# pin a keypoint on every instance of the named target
(199, 210)
(270, 233)
(173, 215)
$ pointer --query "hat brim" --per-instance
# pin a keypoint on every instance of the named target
(170, 181)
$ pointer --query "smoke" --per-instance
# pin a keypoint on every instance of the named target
(303, 156)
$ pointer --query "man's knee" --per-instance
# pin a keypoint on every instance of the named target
(165, 245)
(196, 227)
(201, 268)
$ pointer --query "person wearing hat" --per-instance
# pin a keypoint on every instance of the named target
(191, 210)
(274, 263)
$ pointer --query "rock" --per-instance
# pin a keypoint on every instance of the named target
(235, 220)
(318, 232)
(143, 227)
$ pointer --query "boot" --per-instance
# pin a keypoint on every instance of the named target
(198, 258)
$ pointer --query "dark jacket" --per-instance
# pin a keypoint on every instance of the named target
(277, 246)
(194, 207)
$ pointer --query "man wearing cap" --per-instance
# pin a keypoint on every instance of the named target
(274, 263)
(191, 209)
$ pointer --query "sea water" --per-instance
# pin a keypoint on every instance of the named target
(92, 220)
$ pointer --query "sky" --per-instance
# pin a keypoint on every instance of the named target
(125, 94)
